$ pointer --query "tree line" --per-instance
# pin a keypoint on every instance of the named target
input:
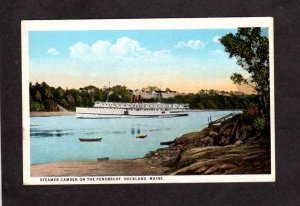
(46, 98)
(213, 101)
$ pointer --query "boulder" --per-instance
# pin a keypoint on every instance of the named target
(244, 132)
(224, 140)
(204, 142)
(192, 137)
(247, 128)
(187, 138)
(226, 127)
(213, 134)
(204, 132)
(215, 128)
(239, 142)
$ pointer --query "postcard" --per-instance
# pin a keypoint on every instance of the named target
(135, 101)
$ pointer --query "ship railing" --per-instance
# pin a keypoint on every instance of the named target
(140, 105)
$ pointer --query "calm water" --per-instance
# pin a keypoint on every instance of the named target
(54, 139)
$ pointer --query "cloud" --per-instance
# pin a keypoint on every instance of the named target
(216, 39)
(193, 44)
(162, 54)
(128, 47)
(52, 51)
(216, 53)
(87, 52)
(80, 50)
(100, 48)
(123, 49)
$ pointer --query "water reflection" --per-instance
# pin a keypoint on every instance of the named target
(119, 132)
(154, 130)
(37, 133)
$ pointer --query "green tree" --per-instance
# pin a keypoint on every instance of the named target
(51, 105)
(48, 93)
(251, 50)
(120, 93)
(100, 95)
(151, 88)
(38, 96)
(90, 88)
(78, 100)
(64, 103)
(58, 94)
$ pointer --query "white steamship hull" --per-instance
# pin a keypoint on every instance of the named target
(125, 110)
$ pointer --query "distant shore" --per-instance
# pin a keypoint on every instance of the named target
(213, 110)
(49, 114)
(63, 113)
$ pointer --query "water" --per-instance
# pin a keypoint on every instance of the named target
(54, 139)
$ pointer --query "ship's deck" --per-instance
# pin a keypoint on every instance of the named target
(140, 105)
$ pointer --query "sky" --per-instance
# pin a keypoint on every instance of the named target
(182, 60)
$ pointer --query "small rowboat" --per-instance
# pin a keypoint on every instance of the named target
(141, 136)
(90, 139)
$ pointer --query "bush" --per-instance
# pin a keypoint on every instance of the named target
(36, 107)
(260, 125)
(252, 112)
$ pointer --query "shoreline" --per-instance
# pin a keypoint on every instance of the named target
(126, 167)
(213, 110)
(50, 114)
(63, 113)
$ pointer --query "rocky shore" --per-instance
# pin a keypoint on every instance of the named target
(230, 148)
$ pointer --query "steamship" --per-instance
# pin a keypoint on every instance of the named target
(135, 108)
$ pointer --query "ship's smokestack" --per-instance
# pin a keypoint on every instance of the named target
(132, 98)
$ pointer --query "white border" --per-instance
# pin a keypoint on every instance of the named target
(141, 24)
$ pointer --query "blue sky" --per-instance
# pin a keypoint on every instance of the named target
(183, 60)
